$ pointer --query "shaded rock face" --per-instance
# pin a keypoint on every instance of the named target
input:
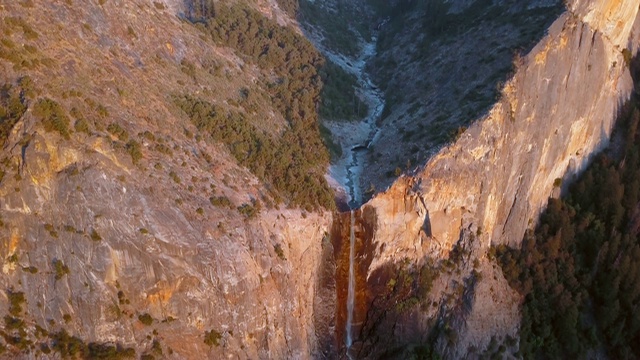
(441, 69)
(556, 111)
(489, 187)
(405, 306)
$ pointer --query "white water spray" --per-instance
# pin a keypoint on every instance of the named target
(351, 297)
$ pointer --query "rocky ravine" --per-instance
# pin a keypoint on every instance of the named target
(118, 252)
(491, 184)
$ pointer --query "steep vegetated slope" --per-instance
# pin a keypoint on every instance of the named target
(295, 163)
(153, 172)
(337, 28)
(441, 65)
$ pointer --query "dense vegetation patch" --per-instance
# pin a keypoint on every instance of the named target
(294, 162)
(425, 35)
(340, 32)
(12, 107)
(339, 99)
(579, 272)
(52, 116)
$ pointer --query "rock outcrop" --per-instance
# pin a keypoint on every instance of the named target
(491, 184)
(127, 228)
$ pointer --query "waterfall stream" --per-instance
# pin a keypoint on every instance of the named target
(356, 139)
(351, 297)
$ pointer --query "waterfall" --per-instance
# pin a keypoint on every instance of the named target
(351, 297)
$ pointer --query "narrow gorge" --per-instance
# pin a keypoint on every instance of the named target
(424, 283)
(283, 179)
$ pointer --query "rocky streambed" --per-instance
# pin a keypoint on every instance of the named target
(355, 137)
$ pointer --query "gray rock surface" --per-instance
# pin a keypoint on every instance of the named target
(553, 115)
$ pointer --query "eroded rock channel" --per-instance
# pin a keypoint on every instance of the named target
(355, 138)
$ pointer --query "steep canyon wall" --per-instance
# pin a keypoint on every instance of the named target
(489, 186)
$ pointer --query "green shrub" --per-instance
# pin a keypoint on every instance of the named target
(145, 319)
(16, 299)
(122, 299)
(175, 177)
(118, 131)
(212, 338)
(12, 108)
(27, 30)
(279, 251)
(249, 211)
(52, 116)
(109, 351)
(52, 231)
(68, 346)
(95, 236)
(131, 32)
(557, 182)
(135, 150)
(220, 201)
(156, 348)
(81, 125)
(27, 86)
(60, 269)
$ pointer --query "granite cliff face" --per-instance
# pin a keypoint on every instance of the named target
(555, 112)
(126, 229)
(490, 185)
(159, 244)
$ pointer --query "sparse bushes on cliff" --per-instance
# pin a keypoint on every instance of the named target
(145, 319)
(52, 116)
(339, 99)
(12, 107)
(283, 163)
(212, 338)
